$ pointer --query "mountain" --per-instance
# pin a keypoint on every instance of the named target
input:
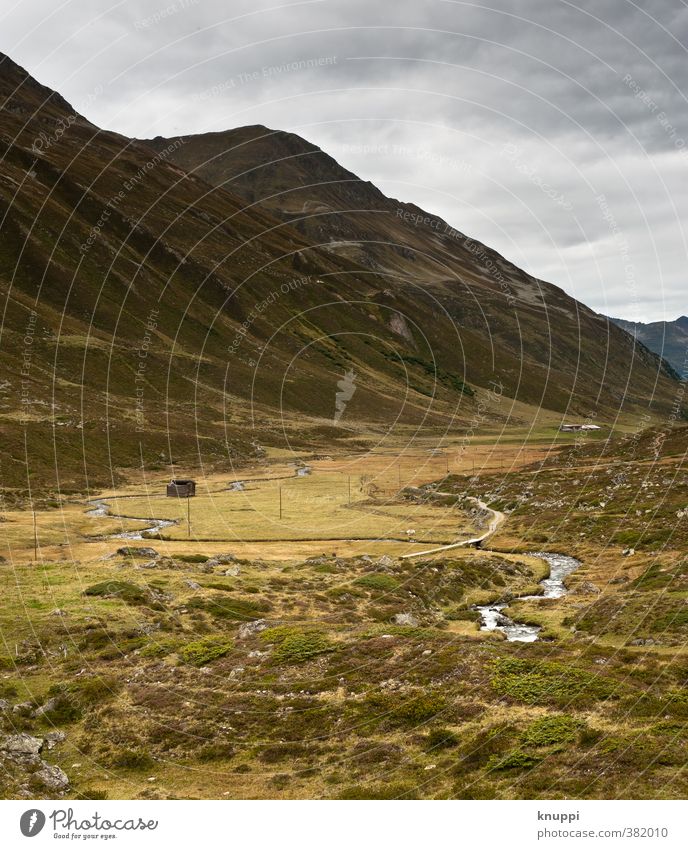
(188, 302)
(547, 348)
(669, 339)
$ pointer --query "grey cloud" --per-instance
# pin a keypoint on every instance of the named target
(591, 95)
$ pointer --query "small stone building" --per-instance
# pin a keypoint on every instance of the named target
(178, 488)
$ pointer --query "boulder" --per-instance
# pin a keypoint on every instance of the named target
(225, 558)
(54, 738)
(137, 551)
(405, 619)
(4, 705)
(52, 778)
(586, 588)
(249, 629)
(21, 745)
(193, 585)
(232, 572)
(49, 706)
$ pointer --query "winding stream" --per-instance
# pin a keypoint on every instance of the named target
(101, 508)
(560, 566)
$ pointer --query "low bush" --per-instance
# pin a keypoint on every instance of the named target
(127, 592)
(298, 647)
(380, 582)
(552, 731)
(201, 652)
(441, 738)
(513, 760)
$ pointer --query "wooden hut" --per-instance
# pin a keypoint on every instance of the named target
(181, 488)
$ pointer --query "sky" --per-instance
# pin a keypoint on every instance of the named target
(556, 132)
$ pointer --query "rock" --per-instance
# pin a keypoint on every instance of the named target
(628, 552)
(23, 709)
(232, 572)
(586, 588)
(21, 745)
(193, 585)
(405, 619)
(225, 558)
(620, 579)
(135, 551)
(207, 568)
(249, 629)
(57, 612)
(4, 705)
(52, 778)
(385, 561)
(50, 705)
(149, 564)
(54, 738)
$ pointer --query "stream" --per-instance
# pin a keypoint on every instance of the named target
(101, 508)
(560, 566)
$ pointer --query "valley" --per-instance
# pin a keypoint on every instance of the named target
(372, 409)
(245, 661)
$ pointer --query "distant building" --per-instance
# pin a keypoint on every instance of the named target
(573, 428)
(178, 488)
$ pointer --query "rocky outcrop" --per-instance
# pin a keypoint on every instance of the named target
(25, 771)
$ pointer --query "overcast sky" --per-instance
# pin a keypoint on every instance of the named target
(556, 132)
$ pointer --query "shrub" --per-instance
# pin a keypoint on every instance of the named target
(128, 593)
(380, 582)
(160, 648)
(203, 651)
(299, 647)
(513, 760)
(91, 794)
(441, 738)
(132, 759)
(420, 708)
(548, 683)
(379, 791)
(220, 607)
(552, 730)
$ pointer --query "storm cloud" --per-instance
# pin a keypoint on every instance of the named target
(556, 132)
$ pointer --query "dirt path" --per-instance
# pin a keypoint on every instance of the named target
(497, 519)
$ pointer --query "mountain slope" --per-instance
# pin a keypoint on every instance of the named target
(152, 318)
(668, 339)
(549, 348)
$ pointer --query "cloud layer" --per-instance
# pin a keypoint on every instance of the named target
(555, 132)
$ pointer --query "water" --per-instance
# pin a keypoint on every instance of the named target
(101, 509)
(560, 566)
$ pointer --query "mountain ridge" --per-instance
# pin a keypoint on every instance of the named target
(108, 243)
(667, 339)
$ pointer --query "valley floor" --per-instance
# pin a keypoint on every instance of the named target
(235, 653)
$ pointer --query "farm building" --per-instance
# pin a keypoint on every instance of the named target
(573, 428)
(178, 488)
